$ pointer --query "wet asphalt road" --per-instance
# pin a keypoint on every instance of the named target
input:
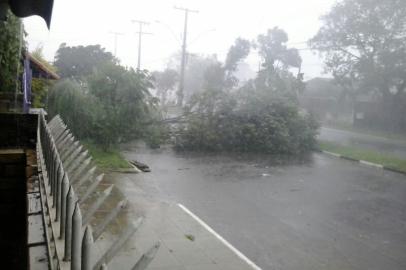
(323, 213)
(364, 141)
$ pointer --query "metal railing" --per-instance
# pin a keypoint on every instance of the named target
(68, 181)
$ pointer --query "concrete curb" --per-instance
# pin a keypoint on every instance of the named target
(363, 162)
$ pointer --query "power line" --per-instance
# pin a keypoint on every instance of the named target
(170, 29)
(183, 60)
(140, 33)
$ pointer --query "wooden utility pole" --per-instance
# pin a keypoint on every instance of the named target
(140, 33)
(180, 93)
(116, 34)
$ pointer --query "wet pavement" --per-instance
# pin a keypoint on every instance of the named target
(364, 141)
(184, 243)
(321, 213)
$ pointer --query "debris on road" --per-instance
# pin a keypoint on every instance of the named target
(141, 166)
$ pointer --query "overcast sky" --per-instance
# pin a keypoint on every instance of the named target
(211, 31)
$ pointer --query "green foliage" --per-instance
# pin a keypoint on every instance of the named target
(238, 51)
(39, 88)
(81, 61)
(260, 116)
(262, 123)
(113, 105)
(125, 104)
(277, 59)
(367, 155)
(273, 50)
(364, 44)
(164, 81)
(156, 134)
(39, 55)
(69, 99)
(9, 51)
(106, 159)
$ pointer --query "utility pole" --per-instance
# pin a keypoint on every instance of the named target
(183, 60)
(140, 33)
(116, 34)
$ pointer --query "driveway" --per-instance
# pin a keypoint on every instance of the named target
(321, 213)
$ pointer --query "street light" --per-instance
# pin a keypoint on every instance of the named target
(202, 34)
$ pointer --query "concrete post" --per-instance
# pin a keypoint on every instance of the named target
(58, 182)
(76, 162)
(146, 258)
(70, 202)
(64, 193)
(76, 238)
(72, 156)
(69, 146)
(88, 175)
(115, 247)
(67, 138)
(106, 221)
(59, 195)
(91, 188)
(69, 151)
(87, 245)
(96, 205)
(75, 176)
(53, 161)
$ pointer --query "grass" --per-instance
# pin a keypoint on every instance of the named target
(107, 160)
(367, 155)
(373, 132)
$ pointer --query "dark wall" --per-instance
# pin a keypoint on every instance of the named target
(18, 130)
(13, 225)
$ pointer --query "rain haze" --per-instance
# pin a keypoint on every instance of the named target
(203, 135)
(210, 31)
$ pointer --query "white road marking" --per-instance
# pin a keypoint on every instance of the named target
(219, 237)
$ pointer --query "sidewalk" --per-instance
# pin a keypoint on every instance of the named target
(185, 242)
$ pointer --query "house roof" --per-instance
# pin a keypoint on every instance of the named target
(38, 64)
(25, 8)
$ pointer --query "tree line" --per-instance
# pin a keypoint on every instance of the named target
(362, 41)
(100, 99)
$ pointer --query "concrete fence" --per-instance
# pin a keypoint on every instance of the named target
(68, 181)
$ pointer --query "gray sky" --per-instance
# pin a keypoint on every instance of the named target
(211, 31)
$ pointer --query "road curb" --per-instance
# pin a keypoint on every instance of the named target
(393, 170)
(363, 162)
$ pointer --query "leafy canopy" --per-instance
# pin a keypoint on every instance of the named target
(81, 61)
(108, 103)
(364, 43)
(9, 51)
(260, 116)
(164, 81)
